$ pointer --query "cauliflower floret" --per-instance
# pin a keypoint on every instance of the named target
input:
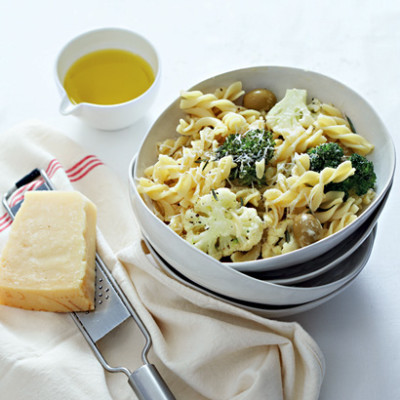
(220, 226)
(291, 115)
(277, 239)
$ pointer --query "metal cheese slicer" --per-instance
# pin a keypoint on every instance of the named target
(112, 309)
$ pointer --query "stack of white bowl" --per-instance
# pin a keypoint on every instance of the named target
(288, 283)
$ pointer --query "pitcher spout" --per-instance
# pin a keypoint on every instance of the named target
(66, 107)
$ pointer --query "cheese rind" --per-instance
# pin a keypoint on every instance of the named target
(48, 263)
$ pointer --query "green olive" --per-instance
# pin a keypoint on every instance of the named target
(259, 99)
(306, 229)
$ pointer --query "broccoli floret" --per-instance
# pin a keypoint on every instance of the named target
(248, 151)
(325, 155)
(363, 179)
(332, 155)
(219, 225)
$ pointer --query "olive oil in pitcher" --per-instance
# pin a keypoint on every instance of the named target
(109, 76)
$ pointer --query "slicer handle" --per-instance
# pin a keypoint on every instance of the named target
(148, 384)
(28, 178)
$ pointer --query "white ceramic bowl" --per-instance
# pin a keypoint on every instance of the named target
(201, 267)
(350, 269)
(107, 117)
(225, 281)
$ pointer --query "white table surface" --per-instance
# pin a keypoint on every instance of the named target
(356, 42)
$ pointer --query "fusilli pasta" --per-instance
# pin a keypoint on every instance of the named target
(187, 171)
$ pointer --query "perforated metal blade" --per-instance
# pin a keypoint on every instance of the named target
(110, 311)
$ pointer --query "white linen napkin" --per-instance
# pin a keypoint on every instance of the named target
(204, 348)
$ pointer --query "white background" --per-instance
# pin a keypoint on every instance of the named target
(355, 42)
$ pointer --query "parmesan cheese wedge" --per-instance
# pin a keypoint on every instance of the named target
(48, 263)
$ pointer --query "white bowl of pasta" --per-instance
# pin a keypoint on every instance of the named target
(202, 198)
(243, 289)
(327, 286)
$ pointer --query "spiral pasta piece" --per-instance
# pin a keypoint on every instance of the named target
(337, 225)
(207, 105)
(246, 195)
(170, 146)
(343, 134)
(231, 92)
(195, 125)
(338, 211)
(235, 123)
(328, 175)
(299, 144)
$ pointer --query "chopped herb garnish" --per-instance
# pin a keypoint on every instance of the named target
(353, 129)
(205, 160)
(246, 150)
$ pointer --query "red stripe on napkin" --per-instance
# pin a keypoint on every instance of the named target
(75, 173)
(4, 216)
(53, 166)
(6, 222)
(79, 163)
(88, 167)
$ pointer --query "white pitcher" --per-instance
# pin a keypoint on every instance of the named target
(116, 116)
